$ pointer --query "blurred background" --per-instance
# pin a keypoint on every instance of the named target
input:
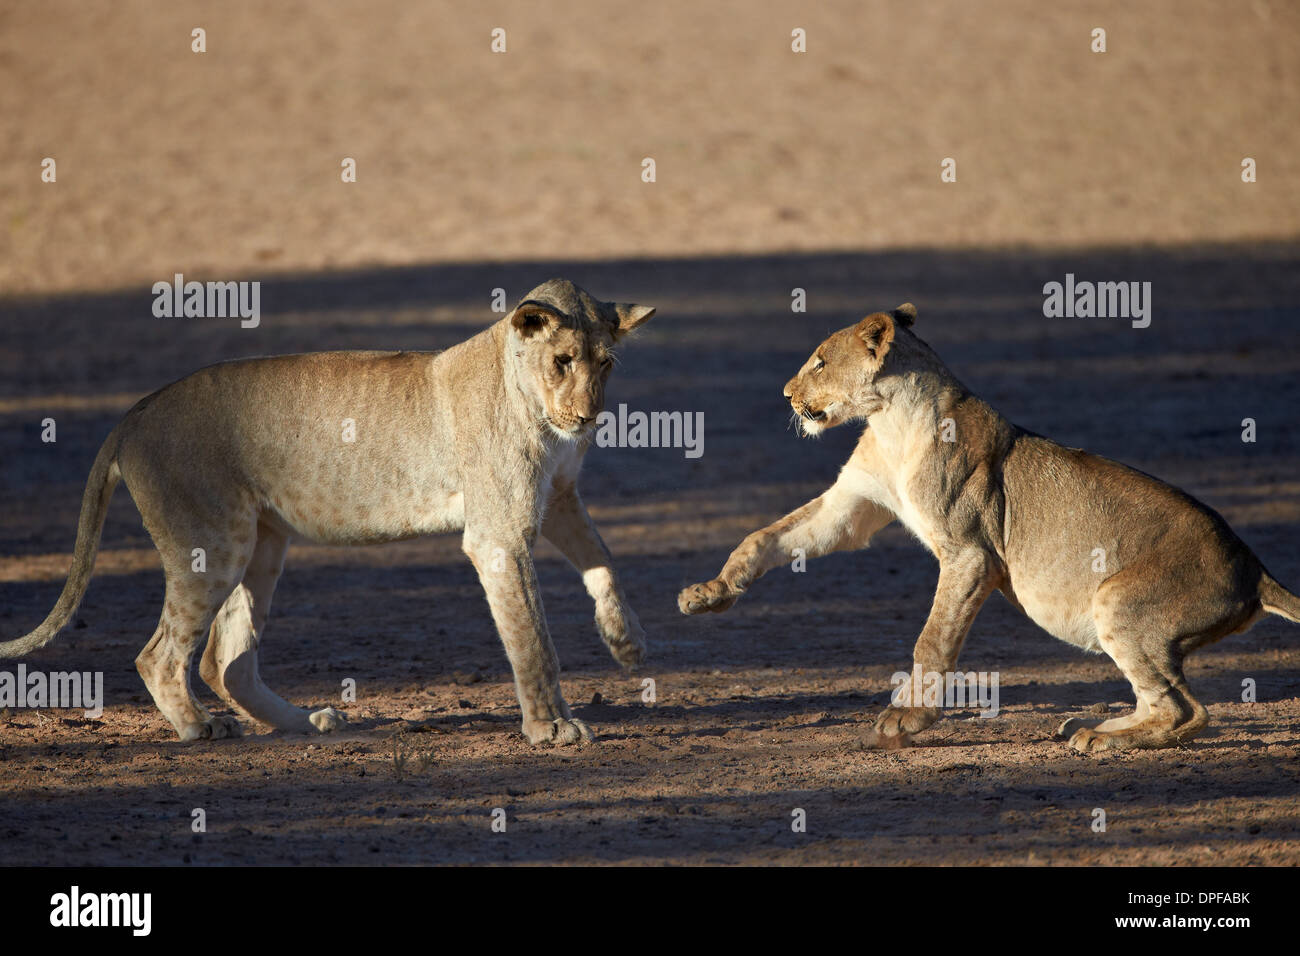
(228, 161)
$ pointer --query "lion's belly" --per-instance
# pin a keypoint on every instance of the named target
(342, 516)
(1063, 612)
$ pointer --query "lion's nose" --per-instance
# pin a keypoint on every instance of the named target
(789, 390)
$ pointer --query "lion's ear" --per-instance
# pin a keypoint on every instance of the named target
(905, 314)
(531, 317)
(630, 316)
(877, 331)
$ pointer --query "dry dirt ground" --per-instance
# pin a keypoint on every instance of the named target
(758, 711)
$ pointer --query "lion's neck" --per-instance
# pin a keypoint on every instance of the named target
(929, 413)
(913, 407)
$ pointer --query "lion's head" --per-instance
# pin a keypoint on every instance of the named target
(562, 349)
(843, 380)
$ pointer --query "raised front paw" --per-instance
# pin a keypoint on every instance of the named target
(629, 653)
(895, 721)
(561, 732)
(622, 634)
(715, 595)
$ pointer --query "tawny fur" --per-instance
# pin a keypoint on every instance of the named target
(238, 459)
(1005, 509)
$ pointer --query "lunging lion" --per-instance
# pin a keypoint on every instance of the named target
(1002, 508)
(485, 438)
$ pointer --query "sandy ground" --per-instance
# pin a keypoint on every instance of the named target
(759, 711)
(227, 163)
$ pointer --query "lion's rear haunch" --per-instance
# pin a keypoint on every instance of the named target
(104, 476)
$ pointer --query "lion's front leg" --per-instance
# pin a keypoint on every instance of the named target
(568, 526)
(505, 569)
(750, 561)
(837, 520)
(966, 579)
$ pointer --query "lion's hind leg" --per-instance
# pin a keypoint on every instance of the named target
(1148, 643)
(197, 587)
(1167, 714)
(229, 664)
(1068, 728)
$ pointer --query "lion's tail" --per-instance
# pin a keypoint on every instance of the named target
(1277, 599)
(104, 476)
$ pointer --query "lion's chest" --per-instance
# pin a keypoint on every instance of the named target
(560, 465)
(920, 524)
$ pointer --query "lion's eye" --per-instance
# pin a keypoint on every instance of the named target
(563, 361)
(821, 364)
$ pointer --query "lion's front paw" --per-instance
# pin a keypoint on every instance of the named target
(630, 653)
(327, 720)
(896, 721)
(561, 732)
(715, 595)
(621, 631)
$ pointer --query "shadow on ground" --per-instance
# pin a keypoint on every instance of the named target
(758, 710)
